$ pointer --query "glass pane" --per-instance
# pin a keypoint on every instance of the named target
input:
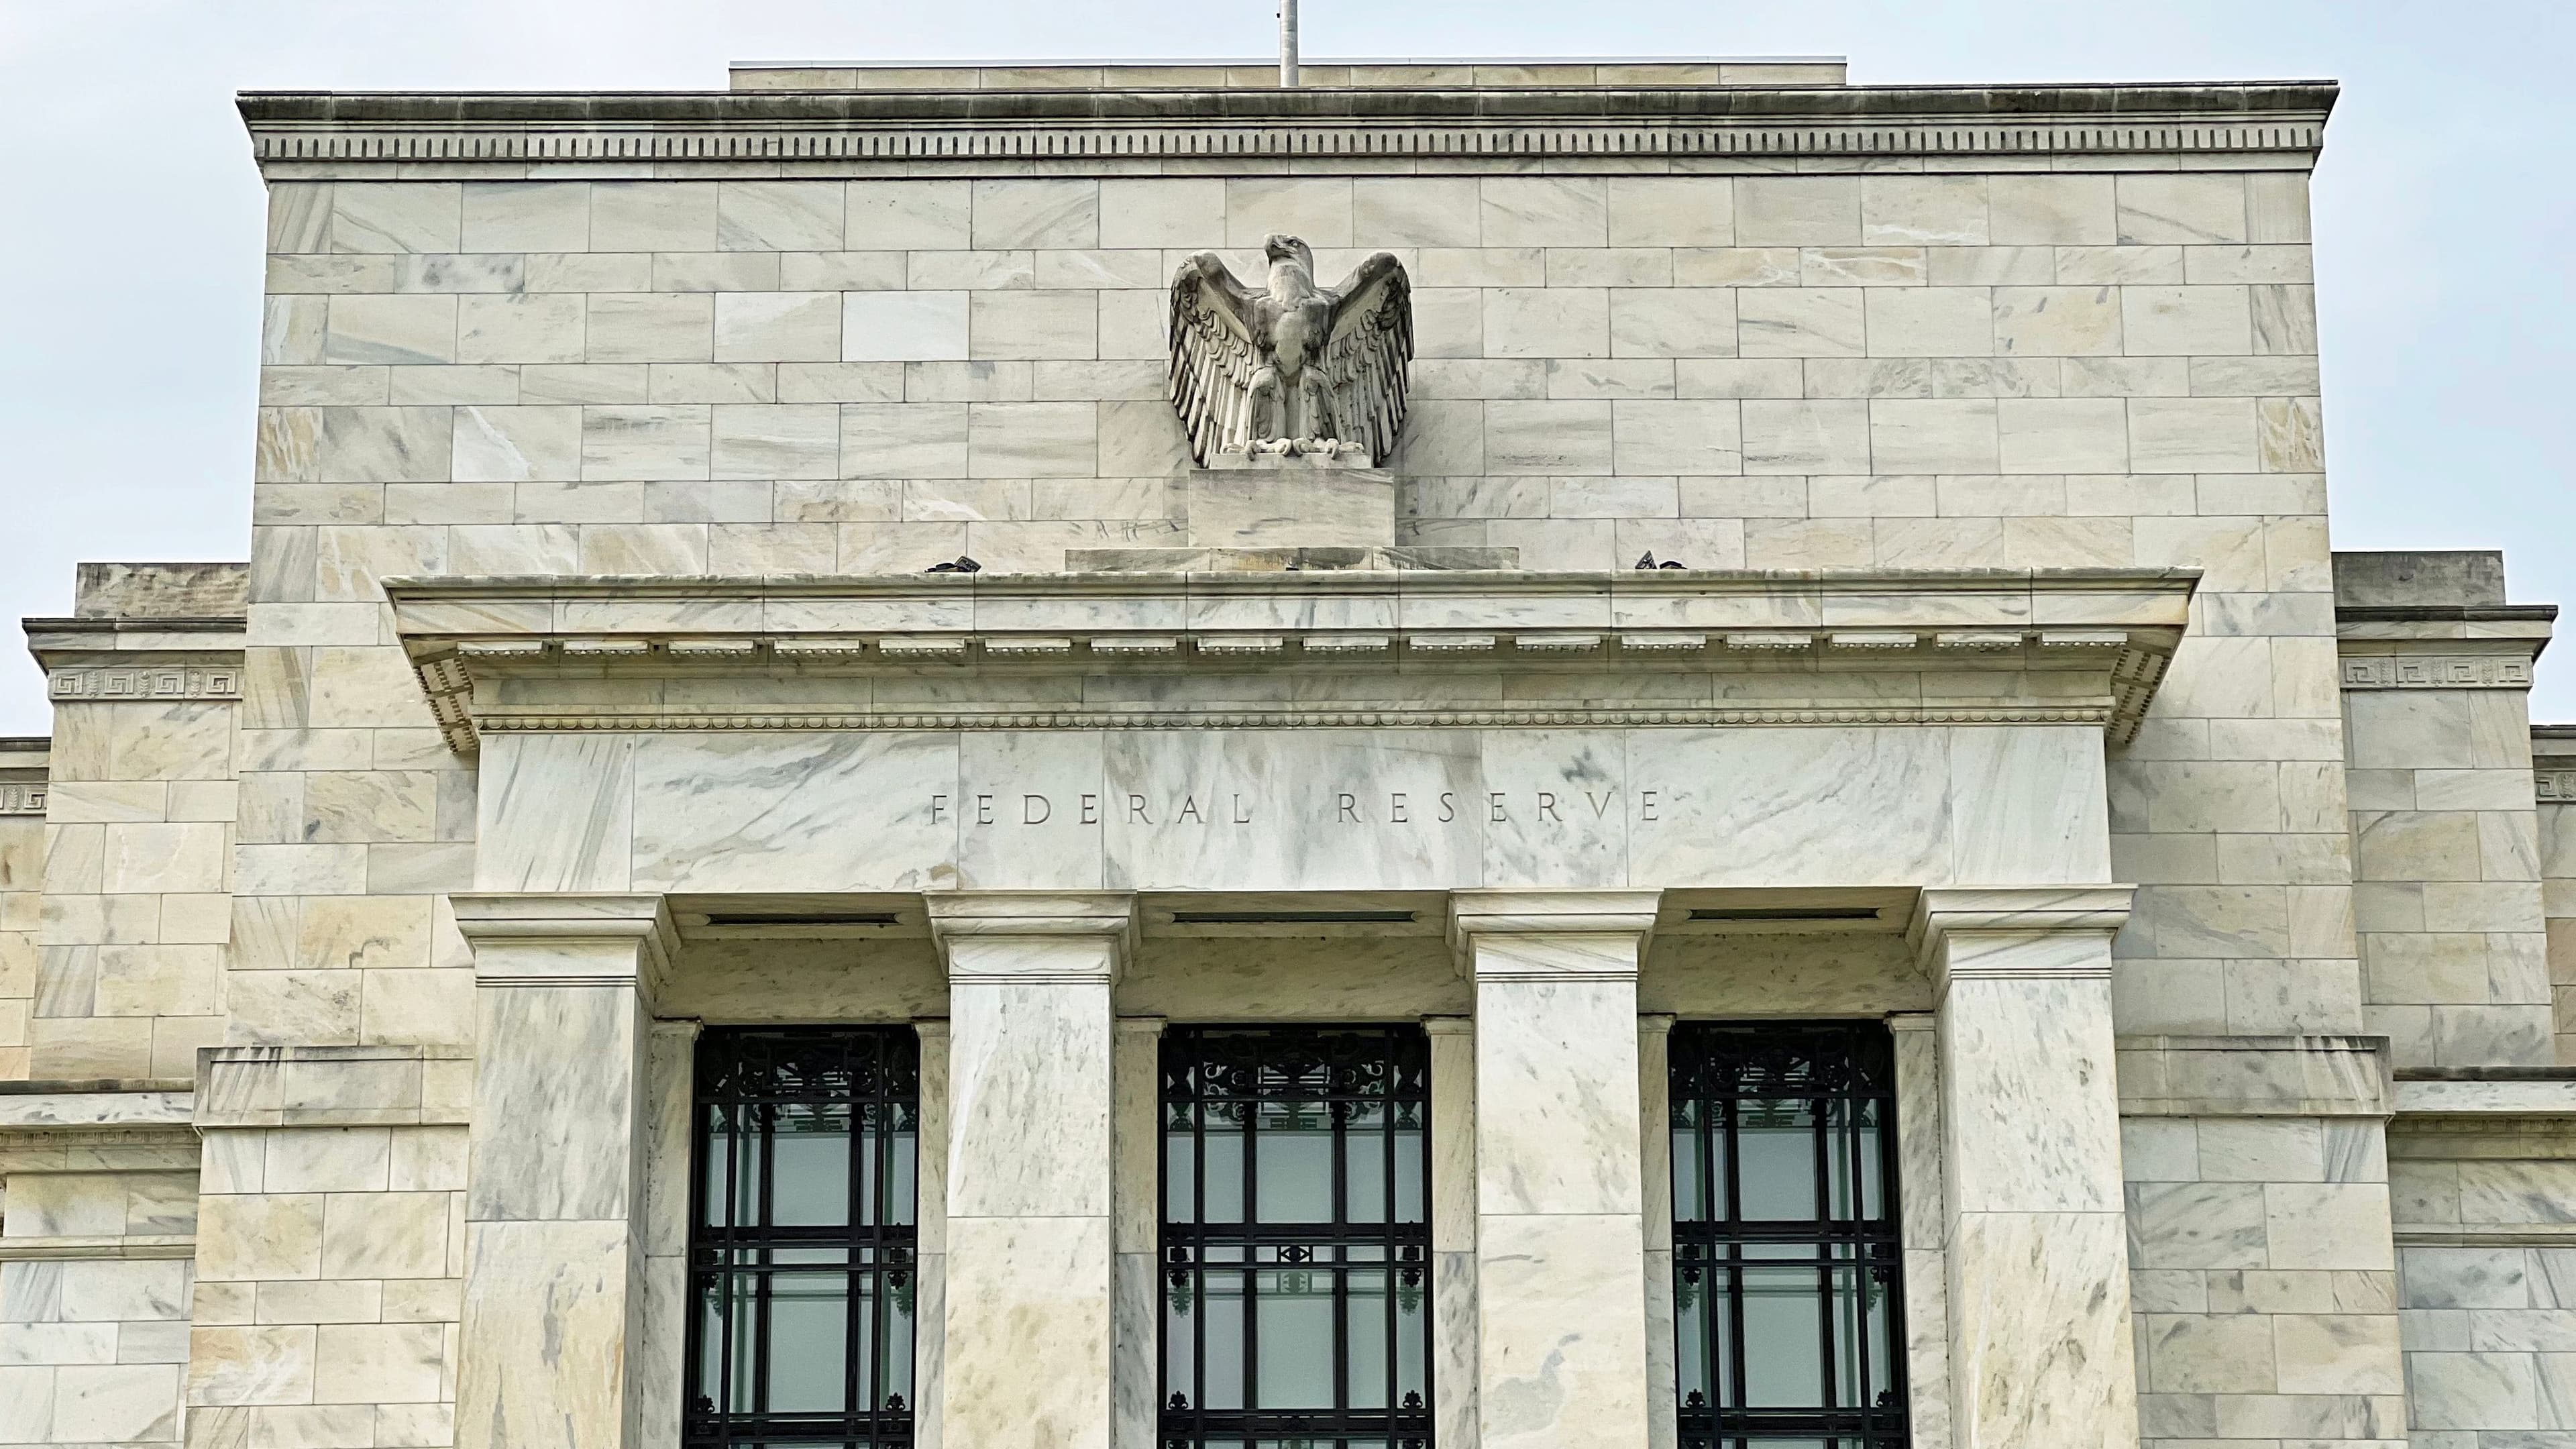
(1294, 1158)
(903, 1151)
(1784, 1359)
(1881, 1340)
(1364, 1322)
(895, 1373)
(711, 1343)
(1180, 1175)
(1221, 1371)
(1364, 1154)
(1294, 1322)
(1223, 1145)
(1775, 1147)
(1873, 1162)
(1690, 1337)
(1688, 1206)
(1412, 1337)
(808, 1342)
(1412, 1202)
(810, 1172)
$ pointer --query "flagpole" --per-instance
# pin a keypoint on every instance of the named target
(1288, 44)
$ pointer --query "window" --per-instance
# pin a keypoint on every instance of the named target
(1785, 1249)
(801, 1239)
(1296, 1238)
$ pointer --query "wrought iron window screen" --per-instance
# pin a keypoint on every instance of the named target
(1786, 1256)
(1296, 1239)
(801, 1239)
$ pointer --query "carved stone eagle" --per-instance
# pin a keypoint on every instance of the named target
(1294, 369)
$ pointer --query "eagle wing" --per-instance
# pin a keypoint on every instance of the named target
(1213, 355)
(1366, 353)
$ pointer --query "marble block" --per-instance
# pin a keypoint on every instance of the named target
(1283, 559)
(1311, 506)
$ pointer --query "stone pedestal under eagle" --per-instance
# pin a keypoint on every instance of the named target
(1295, 369)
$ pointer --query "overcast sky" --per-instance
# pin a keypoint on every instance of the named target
(131, 246)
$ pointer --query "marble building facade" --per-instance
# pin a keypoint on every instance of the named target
(374, 912)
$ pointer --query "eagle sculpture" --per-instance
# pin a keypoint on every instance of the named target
(1296, 368)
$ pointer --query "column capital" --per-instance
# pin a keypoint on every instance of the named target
(965, 922)
(542, 938)
(1945, 917)
(1555, 914)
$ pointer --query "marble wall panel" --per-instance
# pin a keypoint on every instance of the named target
(2030, 1063)
(1327, 809)
(1556, 1073)
(1308, 809)
(2035, 1338)
(829, 812)
(556, 812)
(1029, 810)
(1794, 806)
(1562, 1332)
(1021, 1056)
(561, 1067)
(1032, 1297)
(1569, 825)
(547, 1312)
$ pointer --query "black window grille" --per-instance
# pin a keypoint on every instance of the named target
(1786, 1292)
(1296, 1238)
(801, 1239)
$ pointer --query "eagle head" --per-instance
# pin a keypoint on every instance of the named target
(1281, 247)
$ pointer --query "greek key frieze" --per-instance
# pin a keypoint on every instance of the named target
(22, 798)
(2558, 785)
(108, 684)
(2436, 671)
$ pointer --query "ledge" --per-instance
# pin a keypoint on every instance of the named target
(2491, 1096)
(97, 1248)
(81, 1106)
(2254, 1076)
(318, 1086)
(326, 133)
(552, 654)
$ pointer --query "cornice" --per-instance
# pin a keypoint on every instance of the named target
(1122, 128)
(2055, 647)
(118, 661)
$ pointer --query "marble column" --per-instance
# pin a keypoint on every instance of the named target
(1654, 1134)
(1453, 1230)
(1138, 1132)
(1560, 1243)
(1028, 1359)
(1923, 1224)
(2038, 1275)
(556, 1239)
(930, 1240)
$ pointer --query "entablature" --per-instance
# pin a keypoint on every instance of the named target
(1139, 131)
(1236, 650)
(114, 661)
(2451, 646)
